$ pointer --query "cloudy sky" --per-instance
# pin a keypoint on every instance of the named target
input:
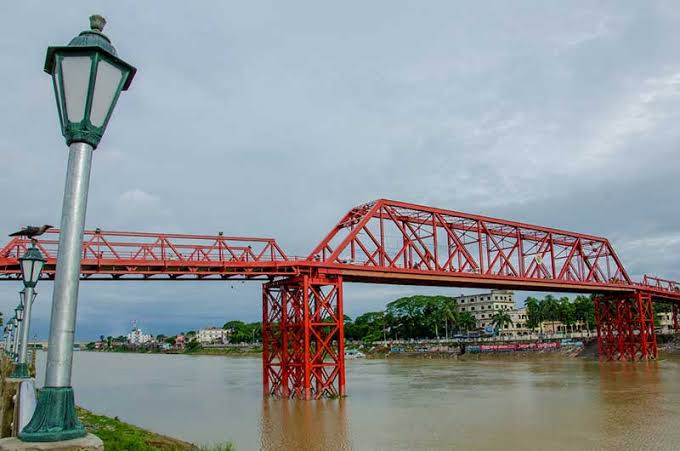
(274, 118)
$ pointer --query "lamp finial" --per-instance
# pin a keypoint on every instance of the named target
(97, 23)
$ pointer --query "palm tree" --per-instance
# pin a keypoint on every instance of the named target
(501, 319)
(466, 321)
(449, 313)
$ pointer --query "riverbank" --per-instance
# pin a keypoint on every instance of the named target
(230, 351)
(120, 436)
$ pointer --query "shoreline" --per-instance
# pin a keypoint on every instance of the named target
(118, 435)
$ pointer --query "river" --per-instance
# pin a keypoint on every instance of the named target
(567, 404)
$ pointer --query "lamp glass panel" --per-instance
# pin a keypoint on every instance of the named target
(58, 94)
(37, 269)
(76, 75)
(105, 88)
(27, 269)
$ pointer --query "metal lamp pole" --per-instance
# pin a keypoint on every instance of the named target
(88, 77)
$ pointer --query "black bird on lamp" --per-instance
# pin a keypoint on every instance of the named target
(32, 231)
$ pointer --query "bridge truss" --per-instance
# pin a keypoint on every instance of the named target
(387, 242)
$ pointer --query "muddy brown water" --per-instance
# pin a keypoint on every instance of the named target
(558, 404)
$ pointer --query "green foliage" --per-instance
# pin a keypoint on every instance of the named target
(242, 332)
(564, 310)
(193, 346)
(371, 326)
(419, 316)
(501, 319)
(119, 436)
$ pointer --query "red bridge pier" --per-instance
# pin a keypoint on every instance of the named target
(303, 338)
(625, 327)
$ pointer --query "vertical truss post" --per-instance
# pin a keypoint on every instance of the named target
(303, 338)
(625, 327)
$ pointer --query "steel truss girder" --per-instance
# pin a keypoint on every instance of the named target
(392, 235)
(303, 338)
(625, 327)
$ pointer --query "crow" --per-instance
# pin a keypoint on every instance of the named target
(32, 231)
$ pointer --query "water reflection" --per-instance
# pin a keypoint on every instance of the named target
(304, 425)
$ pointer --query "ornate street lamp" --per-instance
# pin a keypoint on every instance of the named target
(88, 77)
(15, 343)
(32, 263)
(8, 333)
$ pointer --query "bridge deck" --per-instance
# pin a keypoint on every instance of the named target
(384, 241)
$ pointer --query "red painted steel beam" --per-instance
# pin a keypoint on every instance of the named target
(383, 241)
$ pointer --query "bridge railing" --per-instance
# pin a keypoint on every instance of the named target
(659, 283)
(143, 247)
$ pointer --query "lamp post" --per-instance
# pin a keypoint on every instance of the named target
(15, 344)
(88, 77)
(6, 338)
(32, 263)
(10, 337)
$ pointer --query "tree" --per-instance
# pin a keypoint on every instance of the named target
(534, 312)
(551, 310)
(567, 312)
(449, 312)
(501, 319)
(192, 346)
(370, 326)
(467, 322)
(584, 310)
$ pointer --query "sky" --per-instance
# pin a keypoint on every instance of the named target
(275, 118)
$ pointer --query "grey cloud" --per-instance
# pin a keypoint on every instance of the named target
(273, 119)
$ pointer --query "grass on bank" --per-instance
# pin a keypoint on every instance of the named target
(120, 436)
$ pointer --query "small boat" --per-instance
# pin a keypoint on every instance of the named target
(354, 354)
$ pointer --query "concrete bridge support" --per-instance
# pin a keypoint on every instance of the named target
(303, 338)
(625, 327)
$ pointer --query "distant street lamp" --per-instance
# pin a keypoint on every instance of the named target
(8, 337)
(15, 343)
(32, 263)
(10, 325)
(5, 335)
(88, 78)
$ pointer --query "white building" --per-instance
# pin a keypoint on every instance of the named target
(136, 337)
(484, 306)
(212, 335)
(665, 323)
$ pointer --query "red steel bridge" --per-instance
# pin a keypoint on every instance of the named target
(387, 242)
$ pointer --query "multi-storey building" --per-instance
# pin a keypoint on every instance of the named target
(484, 306)
(212, 335)
(137, 338)
(665, 323)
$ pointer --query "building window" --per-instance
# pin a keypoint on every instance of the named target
(472, 308)
(462, 309)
